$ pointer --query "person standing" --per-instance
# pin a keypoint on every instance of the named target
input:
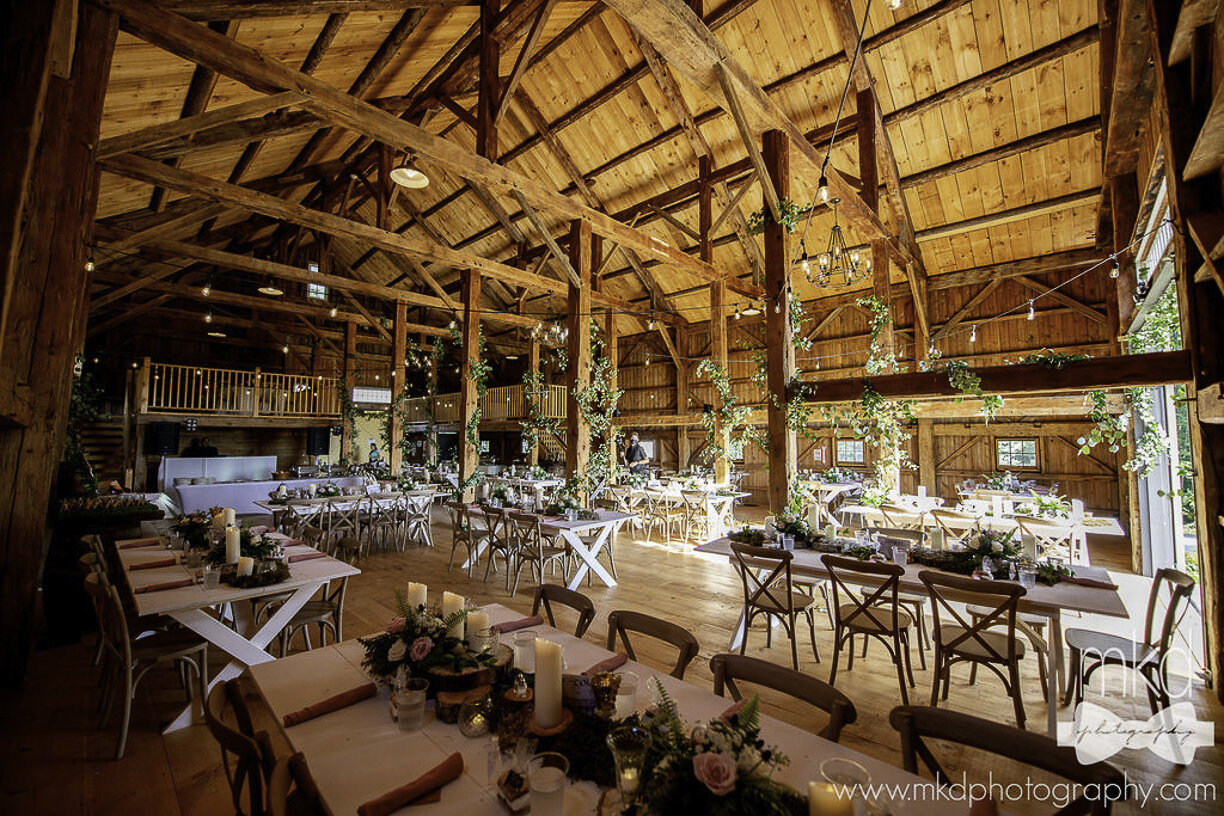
(635, 456)
(375, 456)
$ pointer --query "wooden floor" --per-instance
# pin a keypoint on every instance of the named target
(55, 761)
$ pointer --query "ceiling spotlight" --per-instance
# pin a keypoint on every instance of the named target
(407, 175)
(269, 289)
(752, 310)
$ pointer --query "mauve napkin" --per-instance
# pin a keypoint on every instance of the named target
(306, 556)
(608, 664)
(733, 709)
(415, 791)
(169, 561)
(182, 582)
(521, 623)
(330, 704)
(137, 542)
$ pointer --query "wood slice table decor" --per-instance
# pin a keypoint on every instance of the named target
(567, 719)
(445, 679)
(447, 704)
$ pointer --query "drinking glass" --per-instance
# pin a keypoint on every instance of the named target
(410, 703)
(626, 695)
(1027, 574)
(524, 652)
(900, 556)
(628, 745)
(212, 577)
(988, 567)
(546, 774)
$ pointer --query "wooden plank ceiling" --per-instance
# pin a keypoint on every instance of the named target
(991, 107)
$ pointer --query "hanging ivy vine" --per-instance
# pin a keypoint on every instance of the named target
(598, 402)
(881, 316)
(537, 425)
(478, 373)
(879, 422)
(729, 414)
(962, 378)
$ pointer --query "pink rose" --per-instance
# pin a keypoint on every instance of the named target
(396, 625)
(421, 647)
(716, 772)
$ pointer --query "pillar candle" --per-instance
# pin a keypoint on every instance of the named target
(230, 517)
(996, 506)
(548, 669)
(246, 566)
(417, 593)
(476, 621)
(1028, 546)
(922, 491)
(937, 539)
(218, 521)
(452, 603)
(824, 801)
(233, 545)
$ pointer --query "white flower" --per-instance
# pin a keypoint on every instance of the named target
(997, 546)
(749, 757)
(398, 651)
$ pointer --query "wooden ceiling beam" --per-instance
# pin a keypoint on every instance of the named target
(1061, 297)
(520, 63)
(206, 10)
(242, 132)
(964, 311)
(147, 137)
(1131, 88)
(1100, 372)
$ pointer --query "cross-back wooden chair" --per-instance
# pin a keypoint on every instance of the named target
(548, 594)
(327, 613)
(246, 769)
(1056, 538)
(877, 614)
(418, 523)
(769, 590)
(956, 526)
(901, 518)
(532, 547)
(462, 533)
(292, 789)
(344, 518)
(728, 668)
(922, 728)
(622, 621)
(962, 637)
(128, 659)
(697, 513)
(663, 513)
(1091, 650)
(501, 542)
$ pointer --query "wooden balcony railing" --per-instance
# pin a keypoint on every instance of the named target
(506, 403)
(168, 388)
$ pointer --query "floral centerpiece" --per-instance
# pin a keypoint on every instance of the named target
(720, 767)
(535, 473)
(981, 544)
(254, 543)
(193, 528)
(504, 495)
(1001, 481)
(562, 502)
(419, 639)
(327, 490)
(1052, 506)
(406, 485)
(874, 497)
(835, 475)
(637, 480)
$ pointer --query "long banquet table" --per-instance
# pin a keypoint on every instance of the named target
(358, 753)
(1048, 601)
(243, 496)
(189, 604)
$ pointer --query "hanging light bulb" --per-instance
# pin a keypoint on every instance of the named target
(207, 290)
(817, 365)
(651, 324)
(737, 311)
(332, 312)
(1032, 312)
(893, 5)
(1116, 269)
(208, 317)
(285, 349)
(89, 264)
(648, 358)
(822, 190)
(452, 323)
(973, 334)
(778, 305)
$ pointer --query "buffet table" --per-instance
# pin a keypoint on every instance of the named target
(358, 752)
(217, 468)
(242, 496)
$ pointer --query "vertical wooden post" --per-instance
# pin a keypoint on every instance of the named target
(612, 350)
(399, 384)
(718, 312)
(533, 364)
(683, 447)
(1124, 201)
(578, 375)
(881, 287)
(779, 350)
(926, 456)
(487, 90)
(431, 440)
(469, 450)
(350, 374)
(46, 285)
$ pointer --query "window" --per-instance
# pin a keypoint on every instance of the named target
(317, 291)
(850, 452)
(735, 450)
(1011, 454)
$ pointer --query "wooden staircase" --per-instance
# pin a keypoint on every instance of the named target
(103, 443)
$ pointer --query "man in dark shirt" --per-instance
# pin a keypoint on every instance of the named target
(635, 456)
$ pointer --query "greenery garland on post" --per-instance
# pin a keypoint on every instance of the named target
(732, 416)
(84, 405)
(537, 425)
(962, 378)
(881, 423)
(478, 373)
(789, 213)
(877, 361)
(598, 402)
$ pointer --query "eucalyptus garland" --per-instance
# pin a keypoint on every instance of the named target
(598, 402)
(1048, 358)
(729, 414)
(797, 316)
(537, 425)
(789, 216)
(478, 373)
(962, 378)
